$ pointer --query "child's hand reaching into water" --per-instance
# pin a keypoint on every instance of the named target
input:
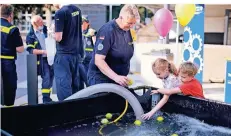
(147, 115)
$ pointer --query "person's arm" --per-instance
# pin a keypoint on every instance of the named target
(20, 49)
(156, 108)
(93, 34)
(103, 45)
(167, 91)
(94, 39)
(17, 40)
(58, 36)
(106, 70)
(37, 51)
(31, 46)
(59, 25)
(103, 66)
(192, 88)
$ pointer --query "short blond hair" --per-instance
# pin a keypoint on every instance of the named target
(188, 68)
(130, 11)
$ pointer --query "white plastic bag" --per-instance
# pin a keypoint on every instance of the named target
(51, 49)
(50, 45)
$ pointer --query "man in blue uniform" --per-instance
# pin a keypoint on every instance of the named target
(36, 45)
(11, 42)
(88, 42)
(89, 36)
(114, 49)
(70, 52)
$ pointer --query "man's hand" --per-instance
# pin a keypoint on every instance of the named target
(122, 80)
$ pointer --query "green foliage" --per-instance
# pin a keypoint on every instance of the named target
(142, 10)
(31, 8)
(34, 8)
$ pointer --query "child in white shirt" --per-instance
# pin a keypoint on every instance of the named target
(167, 72)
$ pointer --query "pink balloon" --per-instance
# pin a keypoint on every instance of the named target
(163, 21)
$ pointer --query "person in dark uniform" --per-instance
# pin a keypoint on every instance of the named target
(11, 43)
(70, 52)
(35, 41)
(114, 49)
(89, 37)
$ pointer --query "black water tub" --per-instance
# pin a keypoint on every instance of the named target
(24, 120)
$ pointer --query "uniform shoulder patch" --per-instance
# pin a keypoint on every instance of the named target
(100, 46)
(88, 42)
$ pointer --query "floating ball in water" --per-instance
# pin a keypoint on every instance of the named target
(174, 135)
(104, 121)
(108, 115)
(159, 118)
(137, 122)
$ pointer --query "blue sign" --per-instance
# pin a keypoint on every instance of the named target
(228, 82)
(194, 41)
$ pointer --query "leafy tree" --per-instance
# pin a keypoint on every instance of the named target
(34, 8)
(31, 8)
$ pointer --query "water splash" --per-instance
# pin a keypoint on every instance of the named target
(173, 123)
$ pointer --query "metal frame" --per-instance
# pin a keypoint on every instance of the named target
(32, 79)
(177, 41)
(226, 32)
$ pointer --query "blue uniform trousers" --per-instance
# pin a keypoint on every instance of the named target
(47, 75)
(9, 80)
(67, 76)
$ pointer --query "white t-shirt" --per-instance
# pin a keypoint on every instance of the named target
(171, 81)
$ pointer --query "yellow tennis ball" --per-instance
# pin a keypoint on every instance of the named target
(137, 123)
(104, 121)
(174, 135)
(130, 82)
(160, 119)
(108, 115)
